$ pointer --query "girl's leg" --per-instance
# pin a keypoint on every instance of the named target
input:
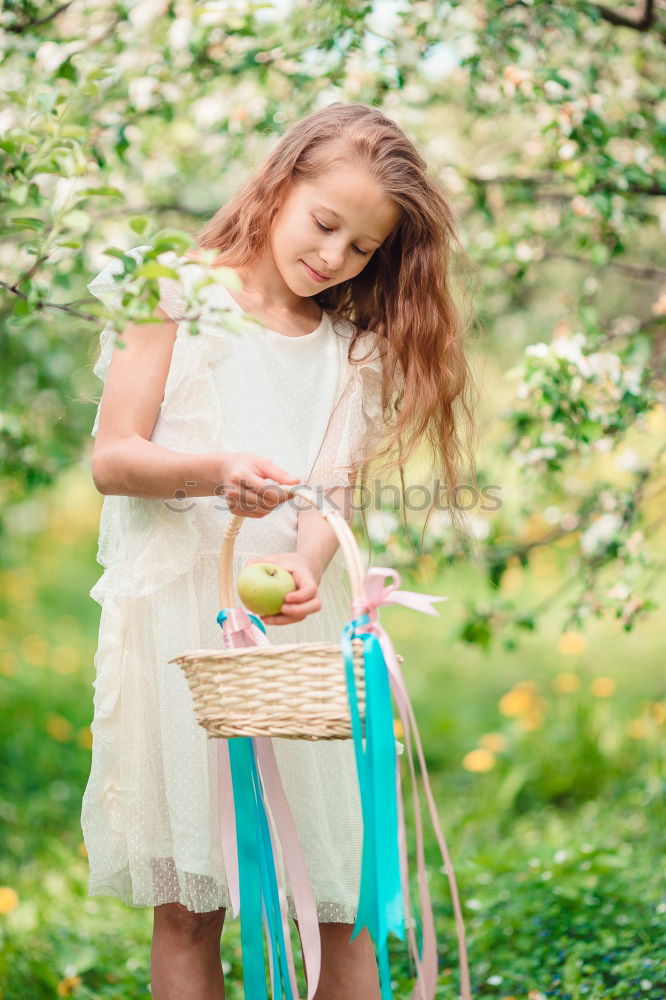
(348, 968)
(185, 954)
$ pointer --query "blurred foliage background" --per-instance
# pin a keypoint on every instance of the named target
(540, 689)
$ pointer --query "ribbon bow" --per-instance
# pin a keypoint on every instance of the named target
(378, 593)
(385, 865)
(240, 628)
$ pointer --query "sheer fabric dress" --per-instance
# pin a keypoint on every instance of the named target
(150, 809)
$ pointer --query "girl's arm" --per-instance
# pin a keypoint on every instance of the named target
(126, 462)
(316, 541)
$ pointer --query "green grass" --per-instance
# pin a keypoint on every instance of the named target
(556, 837)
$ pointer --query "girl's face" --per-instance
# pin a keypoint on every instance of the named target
(331, 227)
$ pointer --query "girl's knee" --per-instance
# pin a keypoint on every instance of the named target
(176, 917)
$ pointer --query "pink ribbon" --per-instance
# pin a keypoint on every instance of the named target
(239, 631)
(377, 594)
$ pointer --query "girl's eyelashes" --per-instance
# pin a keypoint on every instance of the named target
(363, 253)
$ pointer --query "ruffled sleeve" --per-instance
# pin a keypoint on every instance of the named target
(106, 288)
(192, 353)
(356, 420)
(370, 376)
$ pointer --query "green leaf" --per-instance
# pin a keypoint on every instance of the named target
(21, 307)
(153, 269)
(171, 239)
(17, 96)
(139, 223)
(25, 222)
(110, 192)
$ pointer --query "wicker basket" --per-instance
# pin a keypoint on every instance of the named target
(293, 691)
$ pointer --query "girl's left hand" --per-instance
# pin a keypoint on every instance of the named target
(299, 603)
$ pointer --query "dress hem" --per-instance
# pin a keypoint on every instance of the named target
(327, 912)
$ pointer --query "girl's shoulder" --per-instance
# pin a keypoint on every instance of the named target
(110, 282)
(105, 285)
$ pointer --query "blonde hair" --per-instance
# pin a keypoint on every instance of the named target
(404, 294)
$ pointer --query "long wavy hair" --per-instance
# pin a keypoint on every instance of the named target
(406, 293)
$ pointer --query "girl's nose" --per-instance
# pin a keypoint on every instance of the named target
(332, 258)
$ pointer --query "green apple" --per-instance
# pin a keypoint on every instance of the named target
(262, 587)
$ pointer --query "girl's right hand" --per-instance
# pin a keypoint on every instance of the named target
(248, 483)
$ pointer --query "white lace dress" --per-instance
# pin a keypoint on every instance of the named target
(150, 810)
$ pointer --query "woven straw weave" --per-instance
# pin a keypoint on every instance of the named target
(294, 691)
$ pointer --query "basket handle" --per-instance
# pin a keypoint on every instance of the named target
(330, 513)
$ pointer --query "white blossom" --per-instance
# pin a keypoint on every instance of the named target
(568, 150)
(632, 380)
(553, 89)
(141, 92)
(628, 460)
(569, 348)
(539, 350)
(180, 32)
(604, 363)
(569, 522)
(596, 537)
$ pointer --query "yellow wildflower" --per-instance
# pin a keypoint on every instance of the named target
(602, 687)
(515, 702)
(495, 742)
(58, 727)
(572, 643)
(479, 760)
(84, 738)
(531, 720)
(65, 659)
(566, 683)
(658, 710)
(34, 649)
(639, 728)
(530, 686)
(8, 899)
(68, 986)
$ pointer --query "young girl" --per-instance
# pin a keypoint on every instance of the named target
(342, 245)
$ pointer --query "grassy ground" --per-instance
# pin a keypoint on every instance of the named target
(547, 764)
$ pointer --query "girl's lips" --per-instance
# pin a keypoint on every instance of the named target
(313, 274)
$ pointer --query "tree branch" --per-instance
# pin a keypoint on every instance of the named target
(632, 270)
(642, 23)
(655, 190)
(18, 29)
(50, 305)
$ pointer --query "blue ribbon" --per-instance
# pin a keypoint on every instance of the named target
(281, 977)
(256, 869)
(380, 904)
(257, 878)
(222, 617)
